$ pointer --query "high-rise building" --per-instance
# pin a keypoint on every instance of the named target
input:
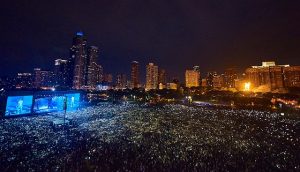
(70, 70)
(99, 73)
(292, 76)
(118, 81)
(135, 74)
(151, 76)
(274, 76)
(197, 69)
(108, 78)
(124, 81)
(218, 81)
(60, 72)
(204, 82)
(37, 78)
(79, 55)
(7, 82)
(277, 77)
(162, 77)
(209, 78)
(121, 81)
(24, 80)
(43, 78)
(192, 78)
(92, 68)
(229, 77)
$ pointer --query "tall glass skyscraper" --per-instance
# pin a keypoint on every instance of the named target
(79, 55)
(135, 74)
(151, 76)
(60, 72)
(92, 68)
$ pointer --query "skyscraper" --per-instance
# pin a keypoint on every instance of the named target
(229, 77)
(135, 74)
(292, 76)
(43, 78)
(108, 78)
(218, 81)
(197, 69)
(70, 70)
(192, 78)
(37, 78)
(92, 68)
(121, 81)
(79, 55)
(209, 78)
(274, 76)
(60, 72)
(99, 73)
(24, 80)
(162, 76)
(151, 76)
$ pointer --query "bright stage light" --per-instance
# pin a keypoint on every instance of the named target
(247, 86)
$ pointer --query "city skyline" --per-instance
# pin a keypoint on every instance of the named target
(133, 85)
(82, 70)
(242, 33)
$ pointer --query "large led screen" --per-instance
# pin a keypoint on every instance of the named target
(48, 104)
(18, 105)
(73, 101)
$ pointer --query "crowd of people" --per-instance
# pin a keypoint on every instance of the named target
(110, 137)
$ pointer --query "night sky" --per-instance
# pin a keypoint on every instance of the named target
(176, 35)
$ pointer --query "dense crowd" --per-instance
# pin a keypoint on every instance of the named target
(110, 137)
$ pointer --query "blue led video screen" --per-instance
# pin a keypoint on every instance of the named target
(18, 105)
(56, 103)
(73, 101)
(48, 104)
